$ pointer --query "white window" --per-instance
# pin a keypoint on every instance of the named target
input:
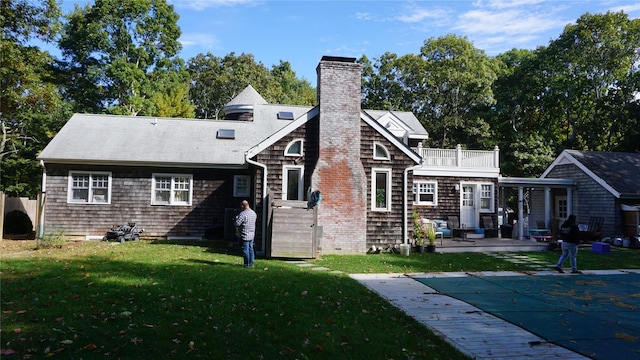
(292, 182)
(171, 189)
(381, 189)
(241, 187)
(380, 152)
(562, 207)
(89, 187)
(486, 197)
(425, 193)
(294, 148)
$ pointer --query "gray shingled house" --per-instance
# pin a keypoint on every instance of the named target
(185, 178)
(607, 187)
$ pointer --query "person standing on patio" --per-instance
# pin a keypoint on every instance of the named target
(246, 222)
(570, 235)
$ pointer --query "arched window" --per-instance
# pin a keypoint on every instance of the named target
(294, 148)
(380, 152)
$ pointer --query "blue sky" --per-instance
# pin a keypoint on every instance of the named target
(301, 32)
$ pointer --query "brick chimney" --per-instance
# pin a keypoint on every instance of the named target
(339, 173)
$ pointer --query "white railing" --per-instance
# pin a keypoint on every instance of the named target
(459, 158)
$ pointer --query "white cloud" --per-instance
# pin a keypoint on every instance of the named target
(200, 5)
(418, 15)
(200, 40)
(509, 22)
(506, 4)
(628, 9)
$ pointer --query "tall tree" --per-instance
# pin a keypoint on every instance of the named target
(31, 111)
(292, 91)
(111, 48)
(458, 86)
(215, 81)
(591, 71)
(447, 86)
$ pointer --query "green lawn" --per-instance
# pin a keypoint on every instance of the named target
(143, 300)
(619, 258)
(150, 300)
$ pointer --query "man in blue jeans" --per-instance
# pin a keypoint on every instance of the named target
(570, 235)
(246, 223)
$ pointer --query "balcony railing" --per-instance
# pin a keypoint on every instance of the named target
(459, 158)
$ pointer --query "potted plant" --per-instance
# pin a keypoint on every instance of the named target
(419, 231)
(431, 237)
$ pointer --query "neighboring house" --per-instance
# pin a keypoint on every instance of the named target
(185, 178)
(607, 185)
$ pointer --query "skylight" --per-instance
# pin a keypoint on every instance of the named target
(226, 134)
(285, 115)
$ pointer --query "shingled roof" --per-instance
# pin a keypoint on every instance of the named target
(618, 170)
(138, 140)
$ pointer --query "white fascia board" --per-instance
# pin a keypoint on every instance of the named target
(457, 172)
(389, 136)
(283, 132)
(145, 164)
(567, 158)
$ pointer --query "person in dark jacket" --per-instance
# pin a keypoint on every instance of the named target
(570, 235)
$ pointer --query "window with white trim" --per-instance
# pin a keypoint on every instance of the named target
(381, 189)
(241, 185)
(486, 197)
(294, 148)
(293, 182)
(89, 187)
(425, 193)
(171, 189)
(380, 152)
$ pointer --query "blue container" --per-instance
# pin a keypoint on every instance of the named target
(600, 248)
(479, 231)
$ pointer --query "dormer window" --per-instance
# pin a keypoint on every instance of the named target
(294, 148)
(380, 152)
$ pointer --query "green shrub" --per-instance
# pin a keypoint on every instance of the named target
(51, 240)
(17, 222)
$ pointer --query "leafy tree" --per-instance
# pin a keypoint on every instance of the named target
(31, 111)
(174, 103)
(591, 71)
(215, 81)
(293, 91)
(111, 50)
(447, 86)
(458, 86)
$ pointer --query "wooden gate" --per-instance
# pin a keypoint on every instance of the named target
(293, 230)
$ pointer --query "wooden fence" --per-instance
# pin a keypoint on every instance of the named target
(8, 204)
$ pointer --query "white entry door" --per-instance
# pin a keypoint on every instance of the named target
(468, 206)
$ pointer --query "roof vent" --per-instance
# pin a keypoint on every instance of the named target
(285, 115)
(226, 134)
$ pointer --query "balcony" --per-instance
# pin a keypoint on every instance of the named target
(458, 158)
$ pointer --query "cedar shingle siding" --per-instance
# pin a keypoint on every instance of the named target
(131, 201)
(592, 199)
(385, 227)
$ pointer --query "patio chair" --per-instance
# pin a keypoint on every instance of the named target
(455, 227)
(593, 230)
(490, 228)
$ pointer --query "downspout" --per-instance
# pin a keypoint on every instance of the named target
(264, 202)
(405, 200)
(40, 229)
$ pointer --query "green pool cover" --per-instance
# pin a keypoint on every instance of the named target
(595, 315)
